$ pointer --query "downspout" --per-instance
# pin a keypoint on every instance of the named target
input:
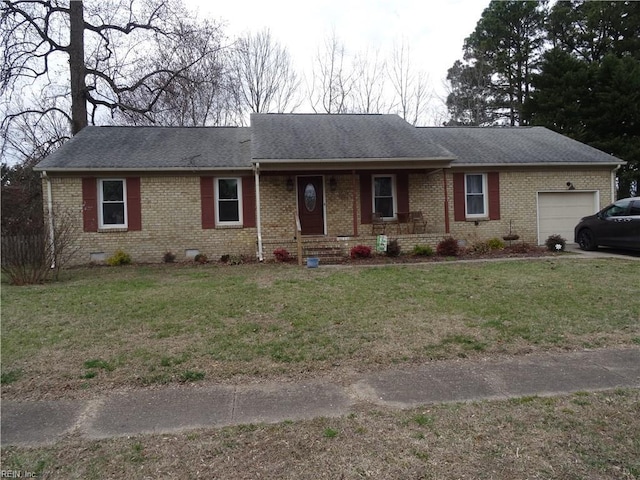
(446, 202)
(354, 206)
(52, 244)
(614, 190)
(256, 174)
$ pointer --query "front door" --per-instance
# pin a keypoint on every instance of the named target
(311, 205)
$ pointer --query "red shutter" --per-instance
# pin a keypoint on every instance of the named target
(89, 205)
(134, 209)
(493, 179)
(402, 185)
(458, 197)
(207, 202)
(248, 202)
(365, 199)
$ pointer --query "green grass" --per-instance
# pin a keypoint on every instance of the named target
(154, 324)
(330, 433)
(9, 377)
(191, 376)
(98, 363)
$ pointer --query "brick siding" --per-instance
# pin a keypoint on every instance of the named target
(171, 213)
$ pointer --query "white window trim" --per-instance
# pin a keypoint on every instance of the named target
(394, 194)
(101, 224)
(216, 187)
(485, 197)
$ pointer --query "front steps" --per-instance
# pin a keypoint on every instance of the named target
(335, 250)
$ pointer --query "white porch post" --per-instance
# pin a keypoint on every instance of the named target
(256, 174)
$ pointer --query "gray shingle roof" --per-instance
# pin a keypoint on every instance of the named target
(514, 145)
(153, 148)
(323, 136)
(301, 137)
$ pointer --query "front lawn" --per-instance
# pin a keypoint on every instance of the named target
(108, 327)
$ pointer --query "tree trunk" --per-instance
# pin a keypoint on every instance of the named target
(77, 67)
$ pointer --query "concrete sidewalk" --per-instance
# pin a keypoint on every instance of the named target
(183, 408)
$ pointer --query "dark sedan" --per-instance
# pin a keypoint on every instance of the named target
(617, 225)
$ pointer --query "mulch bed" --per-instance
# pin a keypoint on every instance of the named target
(513, 251)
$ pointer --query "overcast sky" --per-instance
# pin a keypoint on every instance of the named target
(435, 30)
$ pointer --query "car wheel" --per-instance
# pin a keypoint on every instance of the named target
(586, 240)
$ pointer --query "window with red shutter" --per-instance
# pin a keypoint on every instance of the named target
(476, 196)
(365, 199)
(134, 207)
(207, 203)
(89, 205)
(249, 202)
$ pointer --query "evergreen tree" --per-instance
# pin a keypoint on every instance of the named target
(470, 101)
(589, 84)
(506, 45)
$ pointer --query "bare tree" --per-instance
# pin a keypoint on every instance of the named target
(35, 257)
(201, 95)
(369, 84)
(332, 83)
(34, 135)
(411, 88)
(262, 75)
(105, 45)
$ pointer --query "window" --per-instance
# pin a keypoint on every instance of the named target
(384, 198)
(475, 195)
(112, 203)
(229, 201)
(618, 209)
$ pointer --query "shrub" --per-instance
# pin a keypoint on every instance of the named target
(119, 258)
(232, 259)
(448, 247)
(201, 258)
(423, 250)
(555, 243)
(360, 251)
(282, 255)
(488, 245)
(393, 248)
(168, 257)
(34, 255)
(495, 244)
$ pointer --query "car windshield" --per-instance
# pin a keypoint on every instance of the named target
(618, 209)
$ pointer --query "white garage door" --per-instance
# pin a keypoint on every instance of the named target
(559, 212)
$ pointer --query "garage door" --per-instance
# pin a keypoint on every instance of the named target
(559, 212)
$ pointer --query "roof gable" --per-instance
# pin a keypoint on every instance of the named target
(344, 136)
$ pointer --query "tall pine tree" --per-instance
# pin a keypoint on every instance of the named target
(589, 84)
(504, 48)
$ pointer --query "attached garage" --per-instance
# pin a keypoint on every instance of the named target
(559, 212)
